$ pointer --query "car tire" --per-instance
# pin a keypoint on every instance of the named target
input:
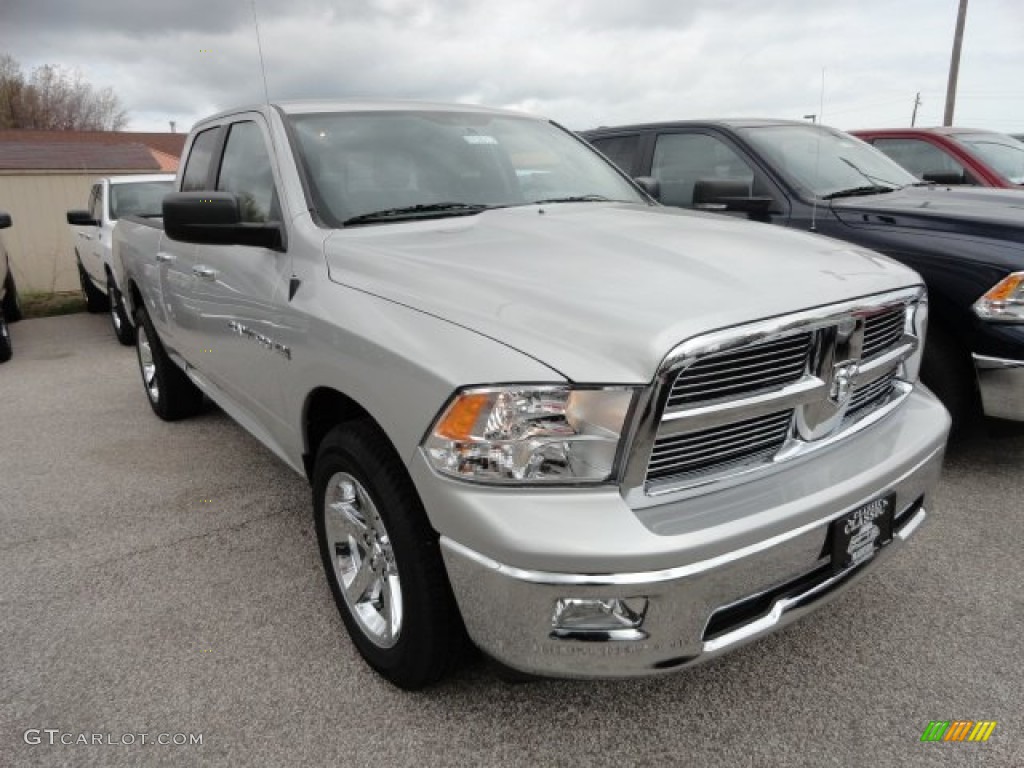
(947, 370)
(383, 560)
(170, 392)
(123, 329)
(5, 340)
(11, 306)
(95, 299)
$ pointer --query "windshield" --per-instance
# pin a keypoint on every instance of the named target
(1004, 153)
(824, 162)
(138, 198)
(421, 163)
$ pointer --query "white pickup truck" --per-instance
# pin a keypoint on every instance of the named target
(110, 199)
(596, 436)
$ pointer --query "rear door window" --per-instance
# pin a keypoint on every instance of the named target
(624, 151)
(925, 160)
(197, 167)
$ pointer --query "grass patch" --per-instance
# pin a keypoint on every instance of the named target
(52, 304)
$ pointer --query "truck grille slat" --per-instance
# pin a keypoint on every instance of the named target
(869, 394)
(883, 330)
(770, 431)
(773, 363)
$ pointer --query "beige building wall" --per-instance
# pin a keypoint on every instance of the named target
(39, 241)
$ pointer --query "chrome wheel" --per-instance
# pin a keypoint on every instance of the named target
(363, 561)
(147, 365)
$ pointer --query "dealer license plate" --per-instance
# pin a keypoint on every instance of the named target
(857, 535)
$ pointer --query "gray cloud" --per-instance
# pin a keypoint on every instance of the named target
(583, 62)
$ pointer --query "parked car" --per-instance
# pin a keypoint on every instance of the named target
(953, 155)
(111, 199)
(606, 438)
(10, 304)
(967, 243)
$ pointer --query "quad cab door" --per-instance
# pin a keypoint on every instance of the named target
(87, 239)
(240, 293)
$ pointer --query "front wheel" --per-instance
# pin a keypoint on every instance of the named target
(382, 559)
(118, 314)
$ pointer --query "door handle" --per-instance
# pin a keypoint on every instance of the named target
(206, 273)
(164, 256)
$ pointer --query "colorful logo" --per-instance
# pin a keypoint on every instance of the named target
(958, 730)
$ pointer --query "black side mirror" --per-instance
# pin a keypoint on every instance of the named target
(5, 220)
(946, 177)
(650, 185)
(81, 219)
(214, 218)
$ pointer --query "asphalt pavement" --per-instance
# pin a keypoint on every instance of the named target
(162, 579)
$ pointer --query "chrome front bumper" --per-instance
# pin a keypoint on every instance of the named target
(711, 599)
(1001, 383)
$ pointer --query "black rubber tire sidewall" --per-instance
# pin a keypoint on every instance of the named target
(126, 334)
(178, 397)
(6, 349)
(947, 370)
(432, 637)
(95, 299)
(12, 301)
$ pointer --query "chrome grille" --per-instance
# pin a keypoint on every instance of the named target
(740, 442)
(883, 330)
(868, 395)
(758, 366)
(744, 399)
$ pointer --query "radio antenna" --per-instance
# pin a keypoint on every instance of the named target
(817, 149)
(259, 47)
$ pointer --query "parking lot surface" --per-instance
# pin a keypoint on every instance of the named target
(163, 579)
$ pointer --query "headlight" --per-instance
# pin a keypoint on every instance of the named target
(1005, 301)
(530, 434)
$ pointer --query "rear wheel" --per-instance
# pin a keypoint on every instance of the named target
(171, 393)
(382, 559)
(11, 306)
(95, 299)
(118, 315)
(5, 340)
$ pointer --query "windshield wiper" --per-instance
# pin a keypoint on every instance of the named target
(427, 210)
(575, 199)
(867, 189)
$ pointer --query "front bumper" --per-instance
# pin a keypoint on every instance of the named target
(1001, 383)
(720, 570)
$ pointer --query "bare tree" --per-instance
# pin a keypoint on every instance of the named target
(55, 98)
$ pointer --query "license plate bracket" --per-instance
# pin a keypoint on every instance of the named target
(860, 533)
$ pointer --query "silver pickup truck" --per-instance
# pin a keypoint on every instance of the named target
(596, 436)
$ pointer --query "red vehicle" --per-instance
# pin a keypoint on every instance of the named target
(953, 155)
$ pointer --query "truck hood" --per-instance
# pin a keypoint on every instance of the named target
(601, 292)
(977, 211)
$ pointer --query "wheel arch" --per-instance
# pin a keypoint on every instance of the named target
(324, 409)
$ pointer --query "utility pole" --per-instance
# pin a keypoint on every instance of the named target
(812, 118)
(954, 63)
(913, 115)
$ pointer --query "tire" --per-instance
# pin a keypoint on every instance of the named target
(123, 329)
(5, 340)
(11, 306)
(170, 392)
(947, 370)
(95, 299)
(382, 559)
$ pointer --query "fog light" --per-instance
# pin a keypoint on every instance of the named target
(621, 617)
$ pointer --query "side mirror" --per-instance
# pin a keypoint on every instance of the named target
(650, 185)
(214, 218)
(81, 219)
(729, 196)
(5, 220)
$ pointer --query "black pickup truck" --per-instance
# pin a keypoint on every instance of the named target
(968, 244)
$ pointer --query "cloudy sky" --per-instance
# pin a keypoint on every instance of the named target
(582, 62)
